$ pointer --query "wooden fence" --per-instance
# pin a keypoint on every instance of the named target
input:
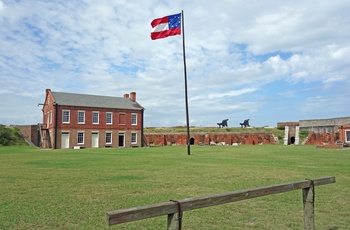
(174, 209)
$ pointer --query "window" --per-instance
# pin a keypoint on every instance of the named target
(65, 116)
(50, 117)
(95, 117)
(134, 119)
(81, 117)
(108, 138)
(109, 118)
(80, 137)
(347, 135)
(133, 138)
(47, 121)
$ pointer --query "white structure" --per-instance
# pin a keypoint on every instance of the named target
(286, 135)
(296, 135)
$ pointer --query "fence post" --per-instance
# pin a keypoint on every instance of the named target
(308, 201)
(173, 221)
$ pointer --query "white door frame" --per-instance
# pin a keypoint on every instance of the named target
(94, 142)
(65, 140)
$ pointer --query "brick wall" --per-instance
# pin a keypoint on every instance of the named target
(30, 132)
(88, 133)
(166, 139)
(342, 130)
(321, 138)
(121, 119)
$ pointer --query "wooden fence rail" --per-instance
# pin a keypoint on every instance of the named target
(174, 209)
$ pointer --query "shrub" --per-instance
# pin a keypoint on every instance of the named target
(303, 134)
(10, 136)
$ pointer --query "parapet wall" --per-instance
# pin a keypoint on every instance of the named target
(283, 124)
(329, 125)
(166, 139)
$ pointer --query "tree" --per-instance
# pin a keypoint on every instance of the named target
(10, 136)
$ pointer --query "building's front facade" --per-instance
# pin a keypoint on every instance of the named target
(89, 121)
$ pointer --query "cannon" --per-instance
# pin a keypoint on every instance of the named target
(223, 123)
(245, 123)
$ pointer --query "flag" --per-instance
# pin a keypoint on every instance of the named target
(166, 26)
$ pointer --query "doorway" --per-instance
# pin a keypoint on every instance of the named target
(121, 140)
(65, 140)
(94, 140)
(192, 141)
(292, 140)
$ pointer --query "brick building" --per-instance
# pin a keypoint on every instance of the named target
(77, 121)
(344, 133)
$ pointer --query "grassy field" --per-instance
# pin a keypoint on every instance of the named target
(73, 189)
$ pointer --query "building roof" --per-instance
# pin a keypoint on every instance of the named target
(86, 100)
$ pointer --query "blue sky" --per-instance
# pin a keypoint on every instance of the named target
(269, 61)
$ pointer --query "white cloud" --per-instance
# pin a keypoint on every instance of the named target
(231, 93)
(235, 50)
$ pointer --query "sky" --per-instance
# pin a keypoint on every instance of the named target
(268, 61)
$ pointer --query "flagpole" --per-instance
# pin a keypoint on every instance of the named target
(185, 75)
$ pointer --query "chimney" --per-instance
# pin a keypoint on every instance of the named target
(126, 95)
(133, 96)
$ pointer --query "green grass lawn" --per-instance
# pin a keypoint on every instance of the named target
(73, 189)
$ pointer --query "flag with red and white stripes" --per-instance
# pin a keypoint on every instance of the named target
(166, 26)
